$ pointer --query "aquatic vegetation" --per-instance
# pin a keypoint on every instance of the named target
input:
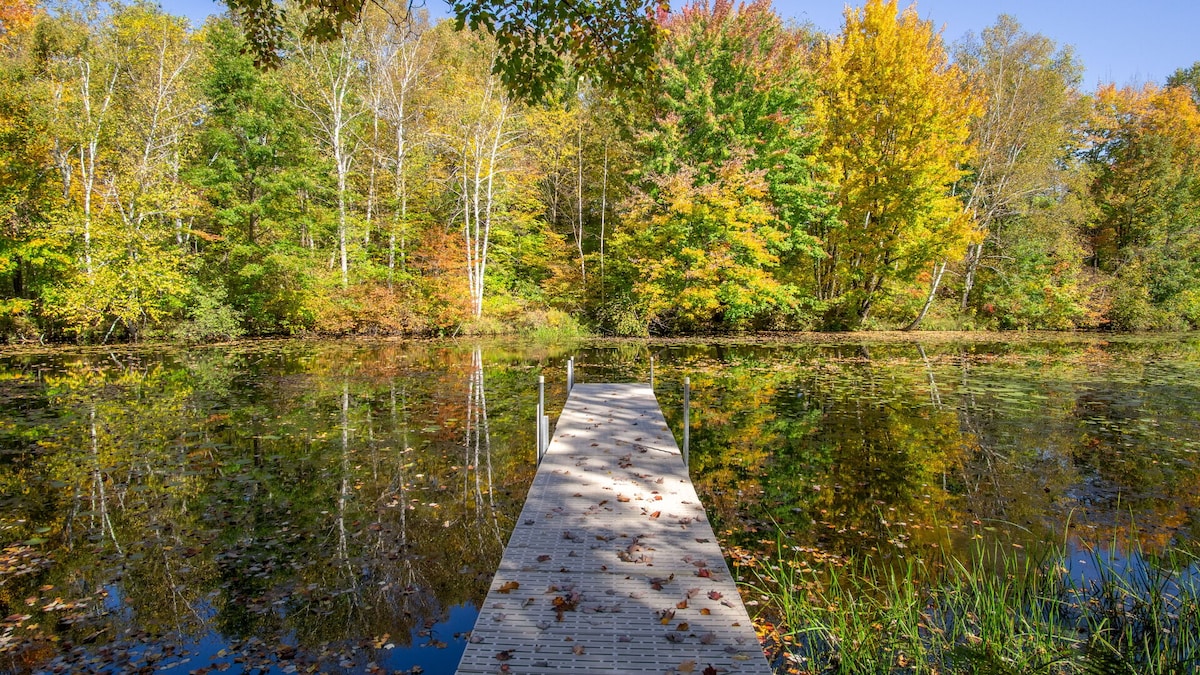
(997, 610)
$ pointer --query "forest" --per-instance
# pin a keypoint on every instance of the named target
(158, 183)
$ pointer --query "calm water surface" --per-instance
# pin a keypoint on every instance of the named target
(340, 506)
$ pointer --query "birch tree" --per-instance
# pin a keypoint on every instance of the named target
(400, 63)
(84, 87)
(479, 133)
(1023, 139)
(124, 112)
(327, 86)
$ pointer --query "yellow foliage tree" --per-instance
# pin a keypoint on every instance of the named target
(897, 117)
(1146, 156)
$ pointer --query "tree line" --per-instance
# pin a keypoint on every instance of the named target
(155, 181)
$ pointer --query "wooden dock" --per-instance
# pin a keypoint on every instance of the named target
(613, 566)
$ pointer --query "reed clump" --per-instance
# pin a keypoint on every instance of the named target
(996, 610)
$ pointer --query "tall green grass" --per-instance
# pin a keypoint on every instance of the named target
(998, 610)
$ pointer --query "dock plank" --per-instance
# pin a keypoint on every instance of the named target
(613, 566)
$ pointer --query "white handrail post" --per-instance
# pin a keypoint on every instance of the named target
(687, 417)
(570, 374)
(652, 373)
(537, 421)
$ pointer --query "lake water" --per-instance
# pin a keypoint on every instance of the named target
(296, 506)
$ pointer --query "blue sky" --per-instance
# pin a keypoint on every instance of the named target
(1122, 41)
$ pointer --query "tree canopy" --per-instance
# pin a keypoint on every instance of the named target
(612, 41)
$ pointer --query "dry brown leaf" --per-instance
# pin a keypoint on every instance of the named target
(508, 587)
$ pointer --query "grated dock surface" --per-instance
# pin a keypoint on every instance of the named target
(613, 566)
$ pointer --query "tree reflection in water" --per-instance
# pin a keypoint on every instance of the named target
(335, 505)
(267, 507)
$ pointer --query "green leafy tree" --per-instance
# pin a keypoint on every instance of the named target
(728, 193)
(1187, 77)
(612, 41)
(252, 166)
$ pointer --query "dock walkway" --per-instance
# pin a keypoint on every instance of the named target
(613, 566)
